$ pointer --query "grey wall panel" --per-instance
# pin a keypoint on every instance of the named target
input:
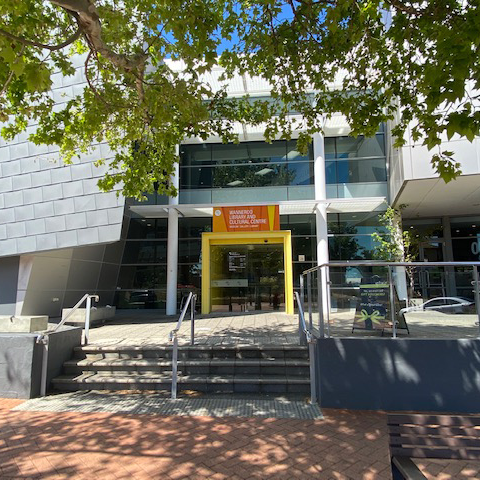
(402, 374)
(20, 363)
(8, 284)
(35, 175)
(60, 349)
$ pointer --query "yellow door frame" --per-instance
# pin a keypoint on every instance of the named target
(247, 238)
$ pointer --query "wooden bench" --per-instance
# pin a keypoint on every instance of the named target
(455, 437)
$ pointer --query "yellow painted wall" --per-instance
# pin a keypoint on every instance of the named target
(247, 238)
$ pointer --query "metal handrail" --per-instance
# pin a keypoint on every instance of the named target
(311, 340)
(390, 265)
(43, 338)
(359, 263)
(88, 298)
(191, 300)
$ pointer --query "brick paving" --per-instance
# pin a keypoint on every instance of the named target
(103, 445)
(343, 445)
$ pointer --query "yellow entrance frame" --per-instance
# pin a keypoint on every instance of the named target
(247, 238)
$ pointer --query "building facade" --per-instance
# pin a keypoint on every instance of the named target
(60, 237)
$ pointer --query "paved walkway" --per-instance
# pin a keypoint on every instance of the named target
(140, 327)
(104, 445)
(137, 327)
(344, 445)
(213, 406)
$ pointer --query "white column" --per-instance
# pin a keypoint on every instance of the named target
(321, 214)
(321, 195)
(172, 248)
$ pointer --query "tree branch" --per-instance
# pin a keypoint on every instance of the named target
(31, 43)
(398, 5)
(89, 21)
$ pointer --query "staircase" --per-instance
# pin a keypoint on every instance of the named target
(212, 369)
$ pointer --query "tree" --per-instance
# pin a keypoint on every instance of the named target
(416, 63)
(393, 244)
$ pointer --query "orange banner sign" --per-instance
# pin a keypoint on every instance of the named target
(246, 219)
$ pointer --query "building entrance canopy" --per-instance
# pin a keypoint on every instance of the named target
(297, 207)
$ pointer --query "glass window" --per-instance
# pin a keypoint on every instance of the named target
(200, 154)
(349, 247)
(298, 224)
(141, 299)
(230, 153)
(149, 277)
(143, 228)
(145, 252)
(364, 223)
(466, 249)
(189, 276)
(189, 251)
(428, 227)
(330, 148)
(305, 246)
(349, 147)
(299, 174)
(196, 177)
(465, 226)
(293, 155)
(261, 152)
(194, 227)
(361, 171)
(249, 164)
(331, 172)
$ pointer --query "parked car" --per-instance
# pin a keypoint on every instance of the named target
(444, 305)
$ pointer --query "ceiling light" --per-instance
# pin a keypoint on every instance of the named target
(235, 183)
(264, 171)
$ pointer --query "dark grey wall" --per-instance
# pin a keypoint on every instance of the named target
(21, 360)
(20, 365)
(60, 349)
(8, 284)
(401, 374)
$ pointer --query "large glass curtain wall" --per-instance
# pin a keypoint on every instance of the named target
(143, 274)
(248, 164)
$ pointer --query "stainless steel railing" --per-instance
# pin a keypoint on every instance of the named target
(43, 338)
(308, 336)
(324, 285)
(190, 302)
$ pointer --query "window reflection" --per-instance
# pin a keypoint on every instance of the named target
(355, 160)
(250, 164)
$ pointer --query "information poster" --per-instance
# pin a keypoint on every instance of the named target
(262, 218)
(371, 313)
(236, 261)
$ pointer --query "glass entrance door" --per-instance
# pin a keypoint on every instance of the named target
(247, 277)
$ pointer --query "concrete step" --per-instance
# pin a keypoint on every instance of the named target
(289, 367)
(203, 383)
(193, 352)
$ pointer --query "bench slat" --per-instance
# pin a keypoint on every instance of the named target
(408, 468)
(418, 452)
(444, 420)
(451, 442)
(443, 431)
